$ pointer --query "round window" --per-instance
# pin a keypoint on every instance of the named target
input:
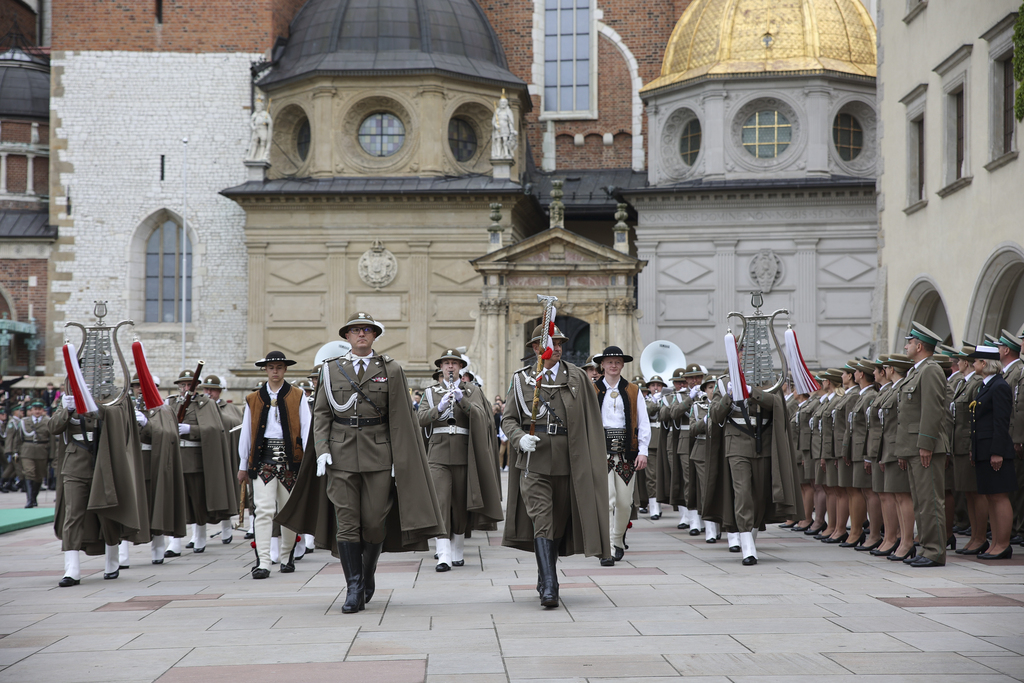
(689, 144)
(381, 135)
(302, 140)
(848, 136)
(767, 134)
(462, 139)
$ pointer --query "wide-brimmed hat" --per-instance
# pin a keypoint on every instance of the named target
(450, 354)
(185, 377)
(465, 372)
(538, 335)
(135, 380)
(213, 382)
(304, 384)
(656, 378)
(678, 375)
(590, 364)
(639, 381)
(315, 372)
(708, 379)
(612, 352)
(695, 370)
(985, 353)
(274, 357)
(361, 319)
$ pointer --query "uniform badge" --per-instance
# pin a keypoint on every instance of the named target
(379, 379)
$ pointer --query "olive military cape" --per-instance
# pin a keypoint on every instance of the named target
(667, 485)
(415, 515)
(786, 501)
(117, 508)
(220, 481)
(167, 483)
(483, 484)
(587, 532)
(231, 415)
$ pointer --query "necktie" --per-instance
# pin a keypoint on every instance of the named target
(360, 366)
(549, 377)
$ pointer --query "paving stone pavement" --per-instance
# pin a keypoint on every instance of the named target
(676, 606)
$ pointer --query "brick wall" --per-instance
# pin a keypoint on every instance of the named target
(16, 131)
(41, 175)
(17, 174)
(14, 278)
(13, 11)
(188, 25)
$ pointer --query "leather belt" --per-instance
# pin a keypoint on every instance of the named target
(360, 421)
(552, 429)
(185, 443)
(79, 438)
(451, 429)
(147, 446)
(684, 428)
(655, 425)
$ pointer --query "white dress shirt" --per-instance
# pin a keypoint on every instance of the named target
(273, 430)
(613, 416)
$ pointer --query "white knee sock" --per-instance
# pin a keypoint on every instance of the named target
(458, 547)
(157, 547)
(174, 545)
(734, 540)
(695, 520)
(225, 530)
(71, 564)
(747, 545)
(110, 557)
(654, 507)
(684, 515)
(310, 542)
(710, 530)
(122, 553)
(444, 551)
(300, 546)
(275, 549)
(199, 536)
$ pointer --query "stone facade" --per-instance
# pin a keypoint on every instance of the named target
(107, 167)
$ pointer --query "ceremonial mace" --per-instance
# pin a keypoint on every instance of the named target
(548, 302)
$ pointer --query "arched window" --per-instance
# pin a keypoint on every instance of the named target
(163, 275)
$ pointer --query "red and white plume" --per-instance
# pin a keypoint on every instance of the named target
(150, 394)
(549, 347)
(803, 381)
(84, 402)
(739, 382)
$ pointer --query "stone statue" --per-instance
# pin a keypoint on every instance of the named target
(262, 127)
(504, 136)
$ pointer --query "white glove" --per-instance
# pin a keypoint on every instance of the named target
(184, 429)
(457, 393)
(141, 418)
(443, 405)
(322, 461)
(68, 402)
(528, 444)
(694, 393)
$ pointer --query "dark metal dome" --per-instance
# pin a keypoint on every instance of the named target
(374, 37)
(24, 86)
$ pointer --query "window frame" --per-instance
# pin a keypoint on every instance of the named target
(591, 112)
(916, 155)
(956, 118)
(160, 277)
(1000, 57)
(360, 134)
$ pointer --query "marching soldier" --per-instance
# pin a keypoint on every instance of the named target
(231, 417)
(664, 486)
(462, 453)
(655, 385)
(13, 474)
(682, 483)
(35, 450)
(922, 440)
(558, 482)
(698, 456)
(206, 463)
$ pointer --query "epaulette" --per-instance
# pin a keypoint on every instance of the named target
(386, 358)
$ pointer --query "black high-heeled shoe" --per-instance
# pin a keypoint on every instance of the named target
(1005, 555)
(910, 558)
(983, 548)
(853, 544)
(867, 548)
(788, 525)
(800, 529)
(951, 542)
(878, 552)
(833, 541)
(813, 532)
(912, 553)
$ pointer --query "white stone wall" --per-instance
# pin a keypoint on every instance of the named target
(115, 114)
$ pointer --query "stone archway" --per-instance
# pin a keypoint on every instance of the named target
(924, 304)
(576, 349)
(998, 299)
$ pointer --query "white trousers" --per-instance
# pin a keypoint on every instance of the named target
(269, 498)
(620, 502)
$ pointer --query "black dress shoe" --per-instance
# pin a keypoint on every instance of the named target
(112, 575)
(1005, 555)
(67, 582)
(814, 532)
(260, 573)
(1017, 539)
(287, 567)
(642, 511)
(713, 539)
(819, 536)
(902, 558)
(442, 567)
(696, 532)
(682, 525)
(171, 553)
(607, 562)
(249, 536)
(655, 518)
(734, 549)
(924, 562)
(198, 550)
(123, 566)
(911, 556)
(158, 561)
(617, 553)
(800, 529)
(866, 548)
(749, 561)
(951, 542)
(226, 541)
(458, 563)
(190, 545)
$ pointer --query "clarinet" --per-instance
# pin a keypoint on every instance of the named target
(451, 380)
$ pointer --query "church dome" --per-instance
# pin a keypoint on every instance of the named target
(396, 37)
(719, 38)
(24, 86)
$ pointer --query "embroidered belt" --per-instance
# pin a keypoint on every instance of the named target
(615, 440)
(273, 451)
(185, 443)
(450, 429)
(551, 428)
(360, 421)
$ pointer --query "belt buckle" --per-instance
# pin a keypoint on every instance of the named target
(552, 429)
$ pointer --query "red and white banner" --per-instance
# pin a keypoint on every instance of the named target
(150, 394)
(546, 342)
(739, 389)
(803, 381)
(84, 402)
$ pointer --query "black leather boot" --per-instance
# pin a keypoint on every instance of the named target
(35, 493)
(371, 553)
(352, 565)
(28, 493)
(547, 555)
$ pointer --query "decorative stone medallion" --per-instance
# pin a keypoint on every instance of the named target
(378, 266)
(766, 269)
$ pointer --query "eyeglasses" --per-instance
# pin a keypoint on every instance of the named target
(366, 330)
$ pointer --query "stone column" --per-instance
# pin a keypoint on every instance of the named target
(493, 330)
(337, 278)
(620, 325)
(3, 172)
(819, 127)
(494, 230)
(257, 315)
(419, 288)
(322, 133)
(30, 160)
(805, 300)
(714, 134)
(725, 293)
(433, 146)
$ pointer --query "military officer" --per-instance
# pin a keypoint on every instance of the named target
(872, 460)
(822, 448)
(698, 457)
(922, 440)
(680, 415)
(461, 426)
(558, 479)
(1009, 346)
(35, 450)
(843, 481)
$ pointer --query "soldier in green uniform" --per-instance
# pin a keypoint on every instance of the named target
(863, 499)
(35, 450)
(965, 480)
(822, 449)
(655, 384)
(922, 440)
(872, 460)
(231, 416)
(13, 474)
(843, 481)
(1009, 346)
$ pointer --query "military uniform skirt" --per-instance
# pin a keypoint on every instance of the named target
(991, 482)
(861, 479)
(877, 477)
(964, 478)
(831, 473)
(897, 480)
(819, 471)
(845, 473)
(808, 471)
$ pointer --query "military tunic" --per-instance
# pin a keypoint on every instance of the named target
(35, 447)
(964, 478)
(448, 453)
(857, 436)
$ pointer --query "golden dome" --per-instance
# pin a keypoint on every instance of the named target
(721, 37)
